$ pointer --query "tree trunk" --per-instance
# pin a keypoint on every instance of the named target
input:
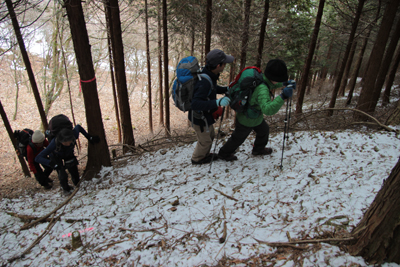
(345, 77)
(111, 60)
(245, 34)
(119, 65)
(98, 154)
(378, 232)
(390, 79)
(383, 71)
(13, 141)
(346, 56)
(367, 101)
(148, 69)
(307, 66)
(27, 62)
(160, 74)
(394, 118)
(208, 27)
(262, 33)
(166, 75)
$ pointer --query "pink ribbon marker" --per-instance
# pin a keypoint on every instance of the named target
(80, 231)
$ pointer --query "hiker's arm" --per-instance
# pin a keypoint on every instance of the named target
(31, 159)
(222, 89)
(92, 138)
(200, 97)
(267, 106)
(43, 157)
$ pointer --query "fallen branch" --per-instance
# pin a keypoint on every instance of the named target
(25, 217)
(223, 237)
(286, 244)
(225, 195)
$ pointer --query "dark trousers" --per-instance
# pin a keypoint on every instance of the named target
(72, 166)
(41, 175)
(240, 134)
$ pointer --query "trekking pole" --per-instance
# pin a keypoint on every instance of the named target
(284, 132)
(216, 141)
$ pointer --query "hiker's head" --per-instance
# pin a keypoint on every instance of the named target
(216, 60)
(38, 137)
(66, 137)
(276, 71)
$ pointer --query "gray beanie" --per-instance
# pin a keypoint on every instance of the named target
(38, 137)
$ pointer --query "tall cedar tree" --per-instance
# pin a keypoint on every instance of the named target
(378, 233)
(98, 154)
(208, 27)
(307, 66)
(160, 74)
(367, 101)
(346, 56)
(245, 34)
(390, 79)
(112, 74)
(119, 65)
(148, 68)
(13, 141)
(27, 62)
(166, 76)
(262, 33)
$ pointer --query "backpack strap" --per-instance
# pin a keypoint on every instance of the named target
(205, 76)
(240, 73)
(33, 147)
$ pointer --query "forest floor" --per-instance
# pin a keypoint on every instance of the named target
(13, 183)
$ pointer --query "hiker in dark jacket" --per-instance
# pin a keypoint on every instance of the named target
(59, 155)
(39, 142)
(275, 73)
(205, 104)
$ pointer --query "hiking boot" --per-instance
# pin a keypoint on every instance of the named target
(265, 151)
(48, 186)
(66, 193)
(229, 157)
(207, 159)
(50, 181)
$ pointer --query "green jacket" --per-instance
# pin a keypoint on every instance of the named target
(262, 101)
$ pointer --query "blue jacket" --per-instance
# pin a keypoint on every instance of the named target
(57, 150)
(204, 97)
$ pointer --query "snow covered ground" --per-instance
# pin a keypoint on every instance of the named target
(159, 210)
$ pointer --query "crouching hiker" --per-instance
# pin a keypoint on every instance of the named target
(260, 103)
(39, 142)
(59, 155)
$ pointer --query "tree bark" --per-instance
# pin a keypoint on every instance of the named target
(307, 66)
(27, 62)
(98, 154)
(208, 27)
(245, 34)
(345, 77)
(367, 101)
(262, 33)
(160, 74)
(346, 56)
(391, 76)
(148, 69)
(13, 141)
(383, 71)
(119, 65)
(112, 74)
(166, 75)
(378, 232)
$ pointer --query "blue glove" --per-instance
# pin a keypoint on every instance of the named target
(287, 92)
(290, 83)
(93, 139)
(223, 102)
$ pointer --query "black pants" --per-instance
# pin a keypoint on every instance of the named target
(41, 175)
(72, 166)
(240, 134)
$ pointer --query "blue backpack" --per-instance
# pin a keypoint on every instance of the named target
(187, 74)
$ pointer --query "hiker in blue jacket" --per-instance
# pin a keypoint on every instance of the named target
(205, 104)
(59, 155)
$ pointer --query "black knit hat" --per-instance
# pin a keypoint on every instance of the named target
(276, 70)
(65, 135)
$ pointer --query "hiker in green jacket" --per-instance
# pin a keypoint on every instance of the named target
(274, 75)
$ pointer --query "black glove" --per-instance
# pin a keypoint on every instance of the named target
(54, 165)
(93, 139)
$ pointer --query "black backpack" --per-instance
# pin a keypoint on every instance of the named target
(24, 138)
(56, 124)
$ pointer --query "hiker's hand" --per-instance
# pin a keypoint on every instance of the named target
(217, 113)
(93, 139)
(287, 92)
(223, 102)
(54, 165)
(290, 83)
